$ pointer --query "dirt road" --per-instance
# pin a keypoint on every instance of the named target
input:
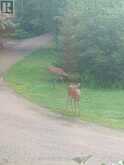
(30, 135)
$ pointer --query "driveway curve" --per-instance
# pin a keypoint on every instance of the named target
(30, 135)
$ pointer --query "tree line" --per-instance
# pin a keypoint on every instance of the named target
(35, 17)
(89, 36)
(92, 41)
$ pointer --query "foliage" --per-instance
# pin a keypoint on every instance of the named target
(6, 27)
(92, 39)
(37, 16)
(21, 34)
(30, 78)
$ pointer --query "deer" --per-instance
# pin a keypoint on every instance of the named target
(59, 74)
(74, 97)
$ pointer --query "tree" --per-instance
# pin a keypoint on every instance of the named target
(37, 16)
(93, 40)
(70, 33)
(6, 26)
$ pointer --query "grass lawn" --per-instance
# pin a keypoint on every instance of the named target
(30, 78)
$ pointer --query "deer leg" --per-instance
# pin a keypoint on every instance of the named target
(78, 105)
(75, 107)
(68, 103)
(72, 105)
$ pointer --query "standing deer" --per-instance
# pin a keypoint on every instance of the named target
(74, 97)
(58, 74)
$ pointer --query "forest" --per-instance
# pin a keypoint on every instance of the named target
(89, 36)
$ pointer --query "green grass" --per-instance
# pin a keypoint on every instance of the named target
(30, 78)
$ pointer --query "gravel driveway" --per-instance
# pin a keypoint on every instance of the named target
(30, 135)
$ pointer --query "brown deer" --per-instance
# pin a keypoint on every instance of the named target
(59, 75)
(74, 97)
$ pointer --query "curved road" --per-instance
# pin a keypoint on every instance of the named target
(30, 135)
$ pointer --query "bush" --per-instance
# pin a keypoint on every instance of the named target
(21, 34)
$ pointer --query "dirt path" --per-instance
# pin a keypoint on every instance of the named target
(17, 49)
(30, 135)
